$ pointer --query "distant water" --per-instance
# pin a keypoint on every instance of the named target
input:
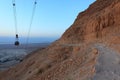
(23, 40)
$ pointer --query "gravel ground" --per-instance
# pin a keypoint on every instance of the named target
(108, 66)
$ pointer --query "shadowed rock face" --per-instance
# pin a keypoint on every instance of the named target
(74, 55)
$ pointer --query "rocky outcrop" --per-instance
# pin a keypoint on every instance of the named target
(73, 56)
(99, 20)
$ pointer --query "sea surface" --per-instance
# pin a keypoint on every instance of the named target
(24, 40)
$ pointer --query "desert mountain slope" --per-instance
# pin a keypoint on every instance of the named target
(79, 54)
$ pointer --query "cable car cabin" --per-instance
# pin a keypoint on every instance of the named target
(16, 43)
(15, 19)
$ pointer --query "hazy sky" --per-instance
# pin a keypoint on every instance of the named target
(52, 17)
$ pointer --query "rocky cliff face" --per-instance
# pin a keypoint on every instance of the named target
(98, 21)
(75, 55)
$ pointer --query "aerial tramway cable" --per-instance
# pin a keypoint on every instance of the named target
(15, 20)
(31, 21)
